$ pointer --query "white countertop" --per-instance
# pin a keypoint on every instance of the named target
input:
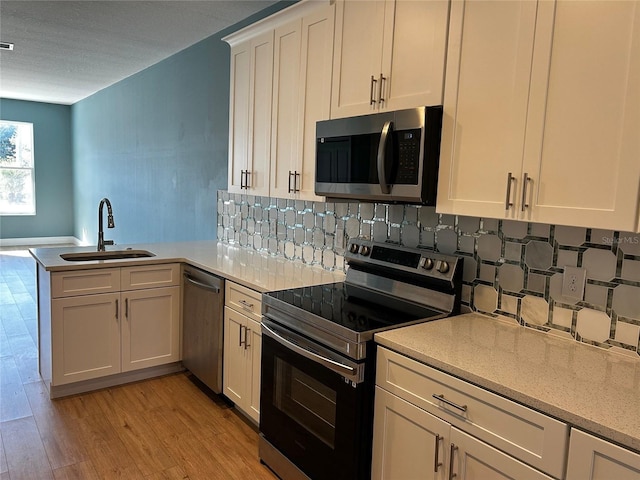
(259, 271)
(585, 386)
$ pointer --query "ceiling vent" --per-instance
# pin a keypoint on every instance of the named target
(6, 46)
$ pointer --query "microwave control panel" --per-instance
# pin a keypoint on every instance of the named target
(408, 144)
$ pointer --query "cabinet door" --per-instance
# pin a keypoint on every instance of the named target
(151, 327)
(235, 357)
(284, 115)
(413, 55)
(239, 115)
(473, 459)
(315, 97)
(85, 334)
(408, 443)
(591, 458)
(254, 347)
(485, 106)
(357, 57)
(583, 145)
(260, 84)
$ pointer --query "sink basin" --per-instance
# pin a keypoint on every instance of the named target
(108, 255)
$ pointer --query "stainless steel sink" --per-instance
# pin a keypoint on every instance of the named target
(109, 255)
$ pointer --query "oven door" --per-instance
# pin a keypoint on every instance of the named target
(315, 408)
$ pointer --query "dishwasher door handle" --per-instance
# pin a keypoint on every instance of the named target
(190, 279)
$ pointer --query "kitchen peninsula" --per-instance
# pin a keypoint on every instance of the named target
(134, 305)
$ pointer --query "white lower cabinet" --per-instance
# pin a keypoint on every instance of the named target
(93, 335)
(472, 459)
(430, 425)
(408, 443)
(591, 458)
(242, 349)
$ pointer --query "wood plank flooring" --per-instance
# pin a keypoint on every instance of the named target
(165, 428)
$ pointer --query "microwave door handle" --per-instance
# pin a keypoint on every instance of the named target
(382, 150)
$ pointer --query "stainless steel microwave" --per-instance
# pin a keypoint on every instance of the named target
(383, 157)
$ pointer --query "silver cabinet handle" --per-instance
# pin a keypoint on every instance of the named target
(247, 183)
(449, 402)
(372, 100)
(453, 450)
(508, 203)
(525, 183)
(437, 463)
(295, 187)
(240, 336)
(117, 309)
(381, 88)
(385, 136)
(246, 337)
(242, 179)
(246, 305)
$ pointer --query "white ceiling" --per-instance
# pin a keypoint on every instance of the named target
(67, 50)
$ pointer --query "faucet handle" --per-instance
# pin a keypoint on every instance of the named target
(108, 242)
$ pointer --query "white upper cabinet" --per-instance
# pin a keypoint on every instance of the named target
(541, 112)
(388, 55)
(582, 149)
(250, 115)
(301, 96)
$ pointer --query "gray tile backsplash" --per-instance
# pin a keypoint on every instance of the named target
(511, 268)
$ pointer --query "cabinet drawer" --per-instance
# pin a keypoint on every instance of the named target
(243, 300)
(150, 276)
(528, 435)
(85, 282)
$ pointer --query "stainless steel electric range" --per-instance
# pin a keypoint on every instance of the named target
(318, 355)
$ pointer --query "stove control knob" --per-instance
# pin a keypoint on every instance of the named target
(426, 263)
(353, 248)
(443, 267)
(365, 250)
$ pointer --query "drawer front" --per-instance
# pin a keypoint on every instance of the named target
(150, 276)
(243, 300)
(530, 436)
(85, 282)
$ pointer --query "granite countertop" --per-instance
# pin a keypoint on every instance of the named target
(256, 270)
(584, 386)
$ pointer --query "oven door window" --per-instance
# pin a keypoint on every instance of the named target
(312, 415)
(305, 400)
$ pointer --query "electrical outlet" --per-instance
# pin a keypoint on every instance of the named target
(573, 280)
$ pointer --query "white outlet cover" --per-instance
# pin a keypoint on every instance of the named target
(573, 280)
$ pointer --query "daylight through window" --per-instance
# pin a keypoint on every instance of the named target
(17, 180)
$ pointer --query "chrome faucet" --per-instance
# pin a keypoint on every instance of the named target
(110, 224)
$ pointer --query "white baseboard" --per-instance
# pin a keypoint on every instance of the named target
(15, 242)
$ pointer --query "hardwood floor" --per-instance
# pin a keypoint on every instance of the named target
(164, 428)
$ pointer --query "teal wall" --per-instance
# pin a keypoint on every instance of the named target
(156, 144)
(53, 170)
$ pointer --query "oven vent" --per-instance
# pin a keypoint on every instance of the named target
(6, 46)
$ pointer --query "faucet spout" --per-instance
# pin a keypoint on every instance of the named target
(110, 224)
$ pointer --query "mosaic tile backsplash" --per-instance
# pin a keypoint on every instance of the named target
(510, 268)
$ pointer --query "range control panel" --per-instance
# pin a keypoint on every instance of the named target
(397, 257)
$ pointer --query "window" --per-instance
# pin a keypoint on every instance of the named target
(17, 180)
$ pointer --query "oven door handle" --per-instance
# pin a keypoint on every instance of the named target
(337, 367)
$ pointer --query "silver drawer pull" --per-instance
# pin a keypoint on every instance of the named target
(246, 305)
(440, 397)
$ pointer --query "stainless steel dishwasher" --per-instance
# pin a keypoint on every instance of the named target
(202, 321)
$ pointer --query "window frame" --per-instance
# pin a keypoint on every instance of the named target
(31, 211)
